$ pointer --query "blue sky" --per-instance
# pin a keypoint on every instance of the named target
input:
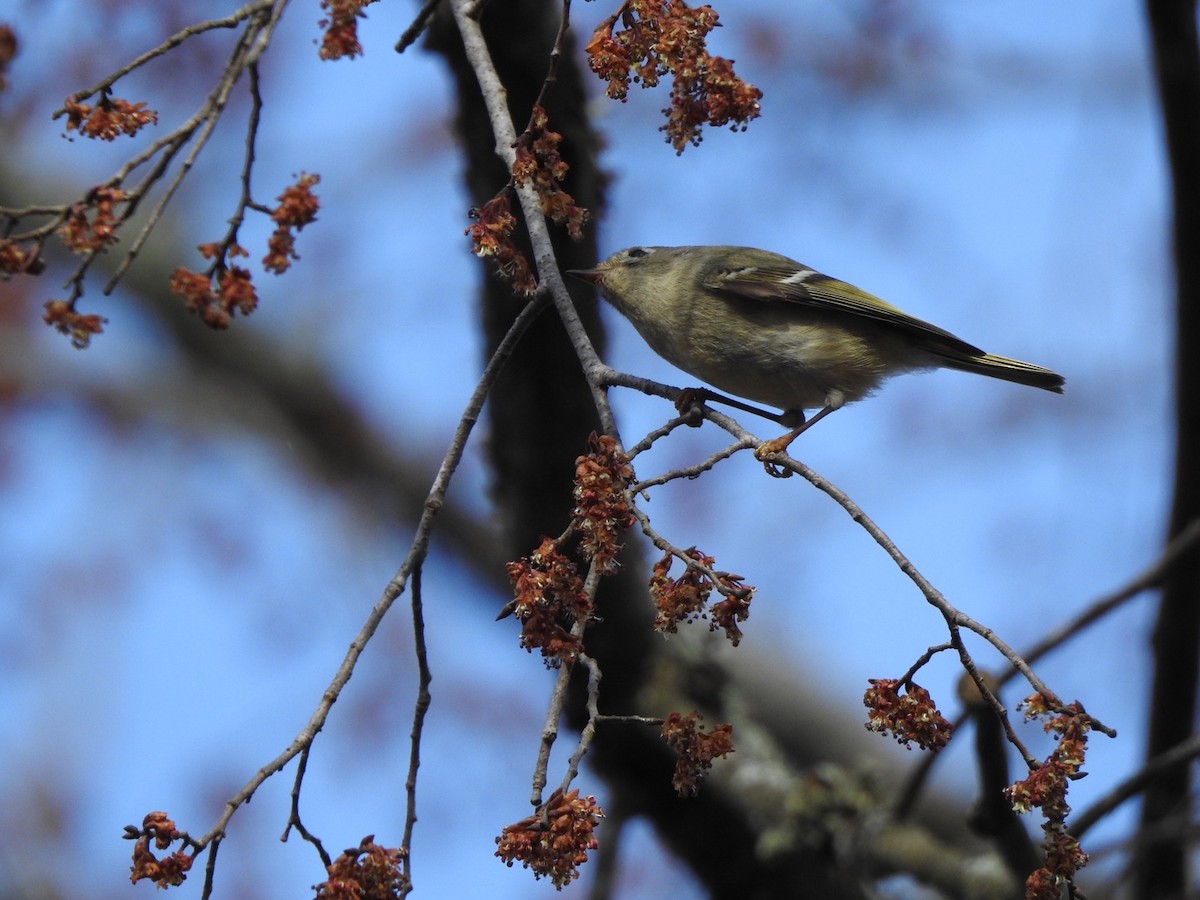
(174, 594)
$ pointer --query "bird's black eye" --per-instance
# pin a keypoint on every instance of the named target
(637, 252)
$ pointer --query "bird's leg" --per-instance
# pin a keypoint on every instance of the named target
(781, 443)
(698, 396)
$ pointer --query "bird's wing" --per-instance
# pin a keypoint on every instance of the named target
(807, 287)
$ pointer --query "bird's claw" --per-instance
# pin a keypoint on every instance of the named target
(690, 404)
(767, 452)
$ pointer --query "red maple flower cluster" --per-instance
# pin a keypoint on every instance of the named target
(695, 748)
(14, 260)
(1046, 789)
(366, 872)
(76, 325)
(549, 594)
(170, 871)
(297, 207)
(682, 599)
(658, 37)
(216, 295)
(602, 510)
(910, 717)
(82, 234)
(491, 235)
(538, 163)
(549, 599)
(109, 118)
(341, 28)
(553, 842)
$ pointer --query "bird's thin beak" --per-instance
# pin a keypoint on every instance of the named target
(591, 276)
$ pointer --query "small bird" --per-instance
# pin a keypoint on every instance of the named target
(769, 329)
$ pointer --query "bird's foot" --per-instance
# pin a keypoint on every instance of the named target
(690, 404)
(766, 452)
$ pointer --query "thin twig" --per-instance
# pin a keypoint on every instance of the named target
(659, 433)
(210, 869)
(170, 43)
(635, 720)
(550, 731)
(718, 579)
(588, 732)
(989, 696)
(294, 817)
(924, 658)
(420, 708)
(556, 52)
(610, 377)
(418, 26)
(558, 700)
(694, 471)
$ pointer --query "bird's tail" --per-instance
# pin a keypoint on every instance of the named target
(1006, 369)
